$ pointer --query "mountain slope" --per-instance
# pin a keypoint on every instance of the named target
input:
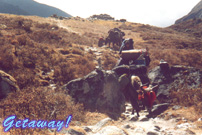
(29, 7)
(196, 12)
(11, 9)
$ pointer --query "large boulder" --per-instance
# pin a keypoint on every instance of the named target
(99, 90)
(174, 78)
(7, 84)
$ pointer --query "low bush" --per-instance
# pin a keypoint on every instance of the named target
(40, 104)
(188, 97)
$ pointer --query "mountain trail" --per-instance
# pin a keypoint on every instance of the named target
(130, 124)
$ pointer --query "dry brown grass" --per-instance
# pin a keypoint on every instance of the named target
(30, 45)
(184, 115)
(188, 98)
(190, 57)
(109, 61)
(40, 104)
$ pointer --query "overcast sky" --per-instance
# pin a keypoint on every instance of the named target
(159, 13)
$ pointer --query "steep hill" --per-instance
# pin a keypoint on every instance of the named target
(195, 13)
(29, 7)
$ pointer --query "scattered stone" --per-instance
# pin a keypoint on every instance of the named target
(184, 120)
(200, 119)
(178, 119)
(129, 109)
(190, 132)
(157, 128)
(139, 131)
(126, 126)
(158, 109)
(184, 126)
(144, 119)
(134, 118)
(77, 131)
(127, 112)
(87, 129)
(176, 107)
(111, 130)
(100, 124)
(152, 133)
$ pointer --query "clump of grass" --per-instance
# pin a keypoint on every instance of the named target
(77, 51)
(188, 98)
(40, 104)
(176, 57)
(108, 61)
(24, 54)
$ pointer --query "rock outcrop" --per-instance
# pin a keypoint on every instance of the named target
(7, 84)
(174, 78)
(99, 90)
(196, 12)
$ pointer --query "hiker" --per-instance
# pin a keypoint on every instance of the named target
(127, 44)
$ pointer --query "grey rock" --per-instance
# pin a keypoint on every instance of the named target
(129, 109)
(190, 132)
(184, 126)
(158, 109)
(176, 107)
(145, 119)
(87, 129)
(157, 128)
(111, 130)
(7, 84)
(200, 119)
(174, 77)
(74, 132)
(139, 130)
(152, 133)
(134, 118)
(99, 90)
(127, 112)
(100, 124)
(127, 126)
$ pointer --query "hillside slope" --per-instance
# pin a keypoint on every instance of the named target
(196, 13)
(178, 44)
(30, 7)
(43, 54)
(11, 9)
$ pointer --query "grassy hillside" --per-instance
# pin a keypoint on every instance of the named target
(38, 52)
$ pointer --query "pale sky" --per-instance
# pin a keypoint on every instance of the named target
(161, 13)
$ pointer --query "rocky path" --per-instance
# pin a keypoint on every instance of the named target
(131, 125)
